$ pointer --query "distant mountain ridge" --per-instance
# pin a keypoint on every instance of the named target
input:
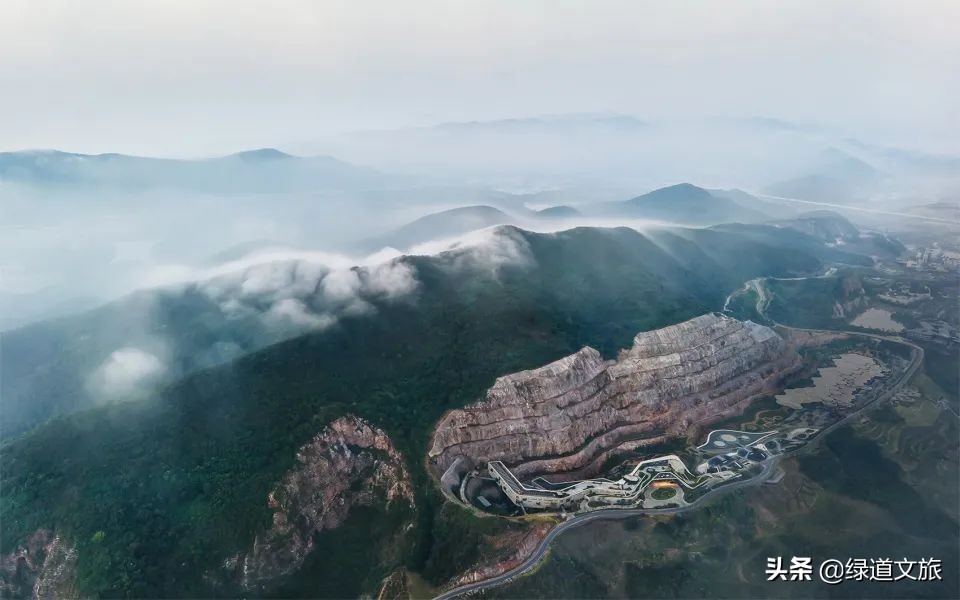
(682, 203)
(440, 225)
(836, 231)
(458, 221)
(836, 177)
(251, 171)
(559, 212)
(547, 123)
(825, 225)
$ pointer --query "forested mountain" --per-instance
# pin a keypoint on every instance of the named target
(189, 466)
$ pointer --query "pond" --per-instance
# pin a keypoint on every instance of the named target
(877, 318)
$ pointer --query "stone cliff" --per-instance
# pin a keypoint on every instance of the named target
(44, 566)
(849, 296)
(569, 415)
(510, 550)
(349, 463)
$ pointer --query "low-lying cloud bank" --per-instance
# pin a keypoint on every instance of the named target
(273, 295)
(311, 290)
(488, 249)
(303, 293)
(125, 374)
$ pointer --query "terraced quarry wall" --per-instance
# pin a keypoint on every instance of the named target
(571, 414)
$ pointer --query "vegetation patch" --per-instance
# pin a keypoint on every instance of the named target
(663, 493)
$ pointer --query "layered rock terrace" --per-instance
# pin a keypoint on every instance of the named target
(569, 415)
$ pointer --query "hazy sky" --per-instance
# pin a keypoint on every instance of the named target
(193, 78)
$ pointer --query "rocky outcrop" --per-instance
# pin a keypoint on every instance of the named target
(571, 414)
(510, 550)
(44, 566)
(849, 296)
(394, 586)
(349, 463)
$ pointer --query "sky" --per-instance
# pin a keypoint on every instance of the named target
(197, 78)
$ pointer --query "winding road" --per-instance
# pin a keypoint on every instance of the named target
(768, 465)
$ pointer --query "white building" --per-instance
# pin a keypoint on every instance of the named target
(626, 491)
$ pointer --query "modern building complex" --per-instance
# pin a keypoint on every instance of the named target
(626, 491)
(730, 454)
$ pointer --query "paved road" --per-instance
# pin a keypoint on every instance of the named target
(768, 465)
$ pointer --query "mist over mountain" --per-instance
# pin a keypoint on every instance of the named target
(837, 177)
(352, 300)
(443, 225)
(836, 231)
(119, 351)
(549, 125)
(252, 171)
(125, 349)
(621, 151)
(682, 203)
(826, 225)
(440, 225)
(946, 210)
(133, 221)
(559, 212)
(122, 239)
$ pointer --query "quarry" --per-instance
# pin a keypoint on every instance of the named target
(571, 415)
(544, 440)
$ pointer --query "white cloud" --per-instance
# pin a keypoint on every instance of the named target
(489, 248)
(391, 279)
(293, 291)
(291, 312)
(341, 286)
(265, 278)
(125, 374)
(261, 265)
(299, 290)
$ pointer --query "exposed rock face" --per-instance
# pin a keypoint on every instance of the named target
(850, 296)
(569, 415)
(43, 567)
(349, 463)
(512, 549)
(394, 586)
